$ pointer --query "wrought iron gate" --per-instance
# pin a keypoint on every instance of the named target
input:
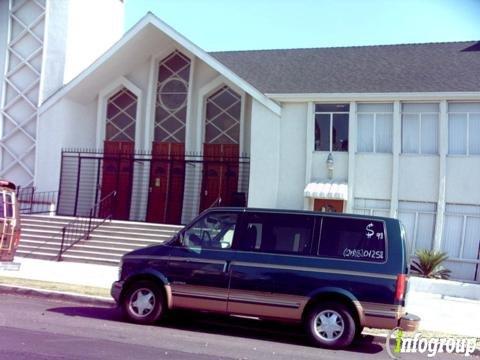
(163, 188)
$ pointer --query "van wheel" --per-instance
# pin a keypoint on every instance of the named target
(330, 325)
(144, 302)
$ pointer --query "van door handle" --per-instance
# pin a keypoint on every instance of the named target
(226, 266)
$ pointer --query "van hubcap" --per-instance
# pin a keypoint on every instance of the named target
(142, 302)
(329, 325)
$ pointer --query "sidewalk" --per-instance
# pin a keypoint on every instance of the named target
(64, 272)
(439, 313)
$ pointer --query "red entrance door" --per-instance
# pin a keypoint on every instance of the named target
(220, 174)
(327, 205)
(167, 180)
(118, 176)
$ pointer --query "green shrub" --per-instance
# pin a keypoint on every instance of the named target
(428, 264)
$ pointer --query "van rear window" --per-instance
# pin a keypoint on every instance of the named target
(352, 239)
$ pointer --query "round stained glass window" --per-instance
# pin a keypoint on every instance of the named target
(172, 94)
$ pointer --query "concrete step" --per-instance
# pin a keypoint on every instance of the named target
(42, 255)
(41, 239)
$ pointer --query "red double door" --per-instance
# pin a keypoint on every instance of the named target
(220, 175)
(167, 178)
(117, 175)
(167, 183)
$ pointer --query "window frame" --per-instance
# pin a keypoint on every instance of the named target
(244, 218)
(209, 100)
(169, 136)
(374, 139)
(330, 134)
(320, 232)
(419, 139)
(411, 246)
(467, 142)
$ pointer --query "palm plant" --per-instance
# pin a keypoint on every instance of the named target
(428, 264)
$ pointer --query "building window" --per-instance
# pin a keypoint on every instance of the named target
(222, 121)
(331, 127)
(121, 115)
(464, 128)
(371, 207)
(375, 128)
(419, 220)
(352, 239)
(171, 101)
(420, 128)
(461, 241)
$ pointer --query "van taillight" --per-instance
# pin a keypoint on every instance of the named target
(401, 286)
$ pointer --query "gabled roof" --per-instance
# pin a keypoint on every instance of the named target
(134, 48)
(431, 67)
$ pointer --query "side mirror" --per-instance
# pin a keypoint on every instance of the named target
(179, 239)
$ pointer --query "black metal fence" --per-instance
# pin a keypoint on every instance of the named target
(187, 184)
(32, 201)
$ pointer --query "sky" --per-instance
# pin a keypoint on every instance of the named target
(217, 25)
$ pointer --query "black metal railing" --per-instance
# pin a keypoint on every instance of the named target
(150, 187)
(81, 227)
(32, 201)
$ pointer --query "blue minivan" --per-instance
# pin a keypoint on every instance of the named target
(335, 273)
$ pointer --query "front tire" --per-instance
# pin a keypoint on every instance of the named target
(144, 303)
(330, 325)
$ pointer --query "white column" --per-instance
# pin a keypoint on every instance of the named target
(20, 90)
(442, 151)
(309, 148)
(352, 149)
(396, 150)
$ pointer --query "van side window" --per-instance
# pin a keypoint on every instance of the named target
(213, 231)
(352, 239)
(277, 233)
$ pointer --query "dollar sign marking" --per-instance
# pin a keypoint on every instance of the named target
(370, 232)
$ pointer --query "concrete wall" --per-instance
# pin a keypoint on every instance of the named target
(265, 157)
(65, 125)
(293, 134)
(463, 180)
(93, 27)
(373, 176)
(55, 42)
(418, 178)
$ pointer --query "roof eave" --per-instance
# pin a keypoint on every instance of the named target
(150, 19)
(375, 96)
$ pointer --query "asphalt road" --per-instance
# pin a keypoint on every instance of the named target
(37, 328)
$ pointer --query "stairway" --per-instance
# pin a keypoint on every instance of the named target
(41, 238)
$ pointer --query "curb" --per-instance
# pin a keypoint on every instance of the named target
(58, 295)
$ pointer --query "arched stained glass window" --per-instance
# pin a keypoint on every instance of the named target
(172, 94)
(121, 115)
(222, 121)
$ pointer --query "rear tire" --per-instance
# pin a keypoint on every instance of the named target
(330, 325)
(144, 302)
